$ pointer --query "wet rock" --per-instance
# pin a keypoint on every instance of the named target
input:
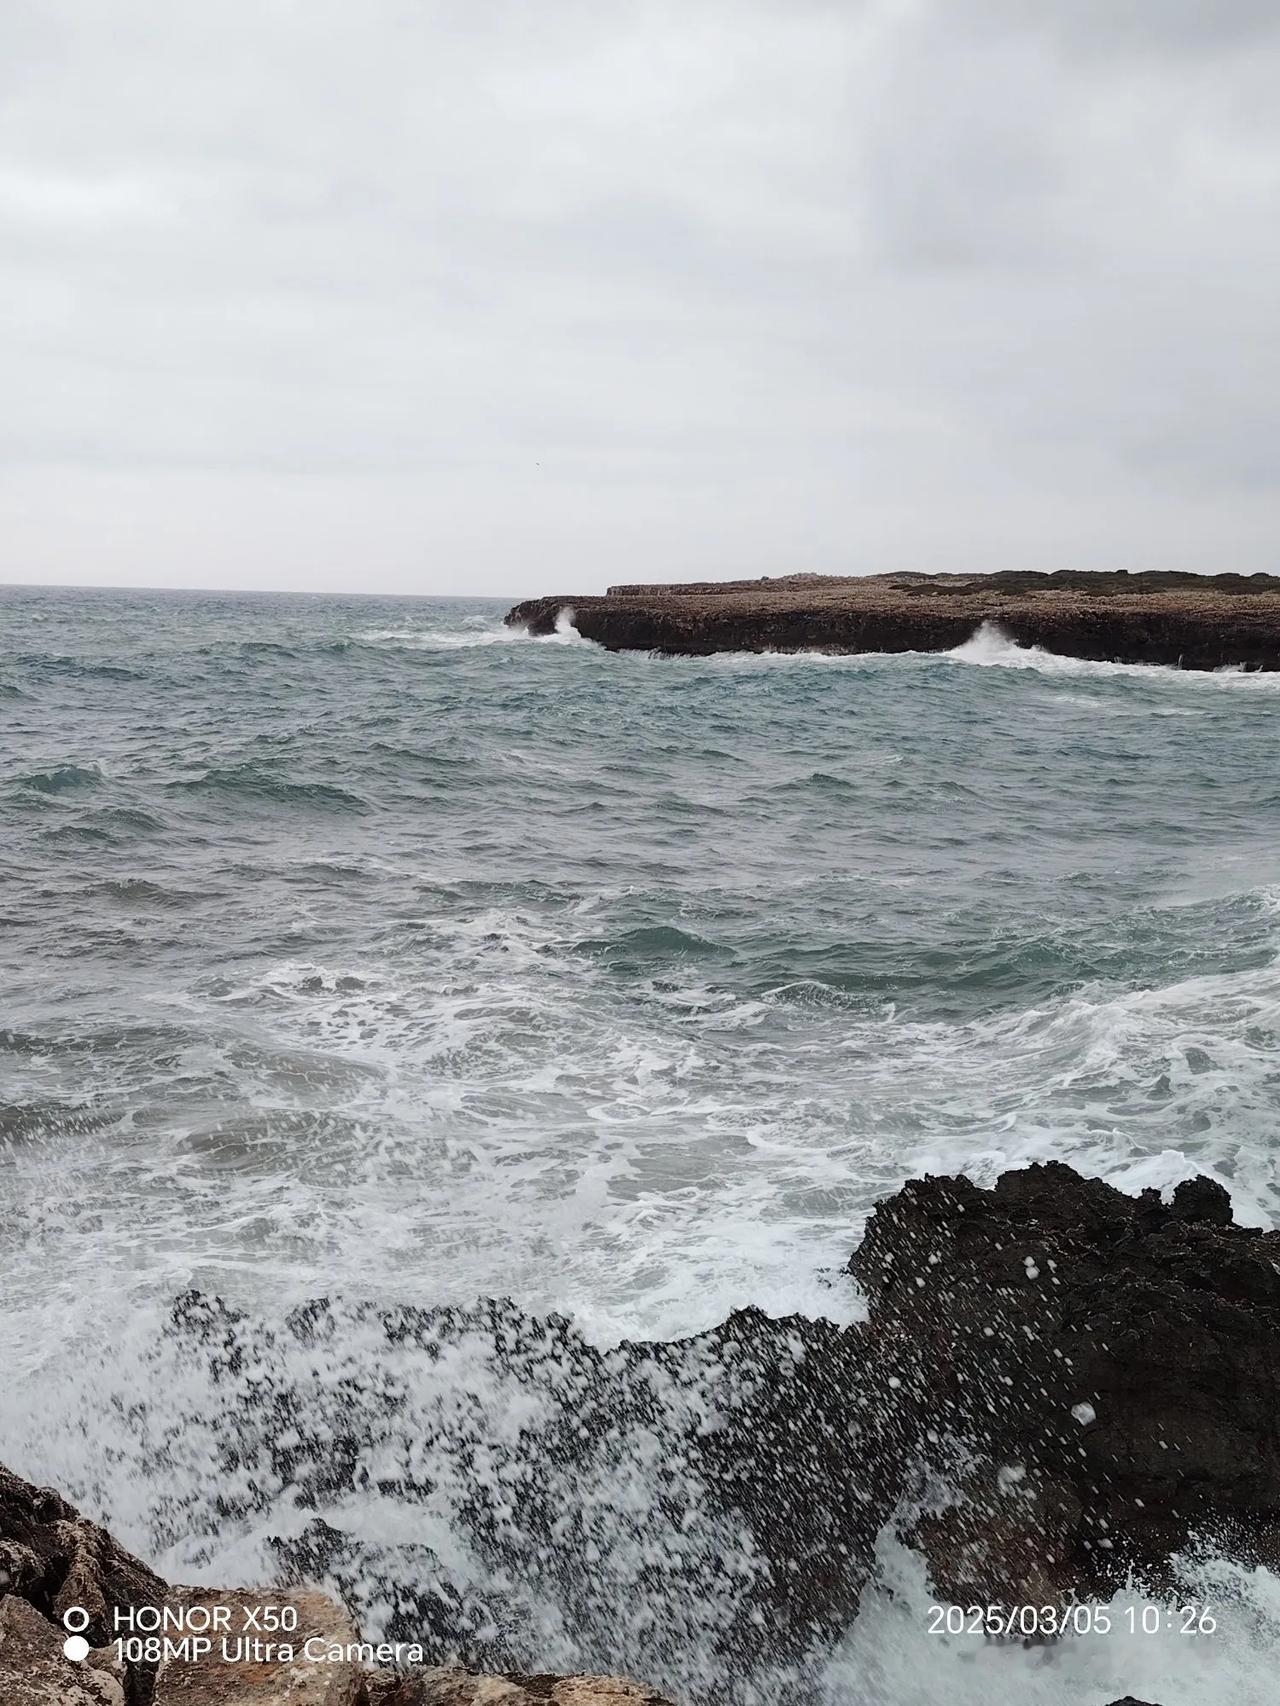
(1108, 1365)
(1202, 1200)
(721, 1477)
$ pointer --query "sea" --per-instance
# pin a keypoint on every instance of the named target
(365, 949)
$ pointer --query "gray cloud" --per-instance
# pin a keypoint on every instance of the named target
(1140, 27)
(448, 298)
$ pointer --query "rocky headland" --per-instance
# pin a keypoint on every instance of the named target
(1185, 620)
(1058, 1389)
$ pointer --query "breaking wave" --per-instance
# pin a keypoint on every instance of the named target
(412, 637)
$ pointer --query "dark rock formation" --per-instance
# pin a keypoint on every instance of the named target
(1195, 621)
(1110, 1366)
(752, 1523)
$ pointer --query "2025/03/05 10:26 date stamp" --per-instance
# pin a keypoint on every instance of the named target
(1044, 1622)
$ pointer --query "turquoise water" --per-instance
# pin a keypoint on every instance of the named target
(362, 946)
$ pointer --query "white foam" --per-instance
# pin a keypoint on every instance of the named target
(497, 1113)
(411, 636)
(891, 1658)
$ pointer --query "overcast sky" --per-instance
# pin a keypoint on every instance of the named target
(507, 296)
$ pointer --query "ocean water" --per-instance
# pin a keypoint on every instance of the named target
(363, 948)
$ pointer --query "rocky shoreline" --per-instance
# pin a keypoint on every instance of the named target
(1184, 620)
(1094, 1378)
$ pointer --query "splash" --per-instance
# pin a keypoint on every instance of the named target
(412, 637)
(992, 647)
(1131, 1645)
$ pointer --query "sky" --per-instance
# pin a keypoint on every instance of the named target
(516, 296)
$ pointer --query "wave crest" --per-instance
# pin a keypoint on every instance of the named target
(61, 779)
(252, 782)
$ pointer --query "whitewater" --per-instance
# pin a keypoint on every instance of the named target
(369, 950)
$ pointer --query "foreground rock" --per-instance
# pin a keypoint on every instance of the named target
(1110, 1366)
(1091, 1379)
(1191, 621)
(34, 1671)
(267, 1669)
(53, 1559)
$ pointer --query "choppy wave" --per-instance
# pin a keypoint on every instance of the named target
(107, 825)
(61, 779)
(139, 891)
(77, 668)
(442, 639)
(253, 782)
